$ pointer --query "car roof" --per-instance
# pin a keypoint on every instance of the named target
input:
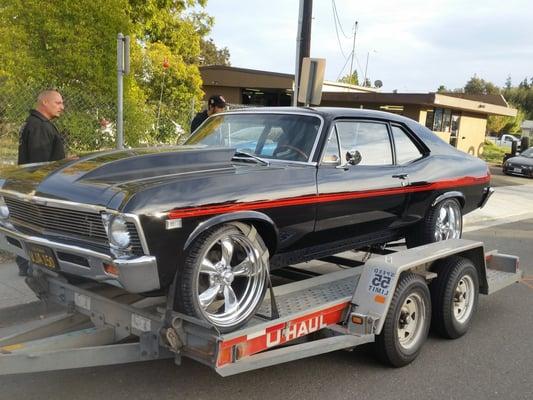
(330, 112)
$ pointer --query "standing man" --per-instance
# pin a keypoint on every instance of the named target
(216, 104)
(40, 140)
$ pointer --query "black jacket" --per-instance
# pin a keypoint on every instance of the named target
(197, 121)
(39, 140)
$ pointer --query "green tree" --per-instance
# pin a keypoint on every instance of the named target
(72, 46)
(211, 55)
(477, 85)
(352, 79)
(442, 89)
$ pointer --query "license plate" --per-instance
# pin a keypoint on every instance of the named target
(519, 170)
(42, 256)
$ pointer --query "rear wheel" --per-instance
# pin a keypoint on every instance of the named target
(223, 279)
(454, 295)
(407, 323)
(443, 221)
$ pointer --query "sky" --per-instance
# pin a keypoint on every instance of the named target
(411, 45)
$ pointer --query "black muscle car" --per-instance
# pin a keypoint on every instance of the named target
(250, 190)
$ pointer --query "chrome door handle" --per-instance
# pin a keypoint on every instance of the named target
(401, 176)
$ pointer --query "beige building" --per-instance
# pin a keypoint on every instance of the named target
(457, 118)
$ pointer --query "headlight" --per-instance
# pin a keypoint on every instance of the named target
(117, 230)
(4, 211)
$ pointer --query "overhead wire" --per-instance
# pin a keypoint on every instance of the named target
(337, 23)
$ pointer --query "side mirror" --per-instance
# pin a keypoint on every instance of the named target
(353, 157)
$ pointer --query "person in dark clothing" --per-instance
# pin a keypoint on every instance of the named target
(215, 104)
(40, 140)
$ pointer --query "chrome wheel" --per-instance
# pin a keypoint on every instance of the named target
(231, 277)
(449, 221)
(463, 299)
(411, 321)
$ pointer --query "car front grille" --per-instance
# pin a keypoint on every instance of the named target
(67, 222)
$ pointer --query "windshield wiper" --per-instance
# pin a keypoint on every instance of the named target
(242, 154)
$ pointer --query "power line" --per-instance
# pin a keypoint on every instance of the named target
(345, 64)
(337, 19)
(336, 28)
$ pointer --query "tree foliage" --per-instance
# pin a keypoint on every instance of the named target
(352, 79)
(477, 85)
(72, 46)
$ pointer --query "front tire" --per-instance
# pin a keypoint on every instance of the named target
(407, 323)
(443, 221)
(454, 295)
(223, 279)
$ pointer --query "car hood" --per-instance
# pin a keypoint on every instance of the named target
(107, 178)
(520, 160)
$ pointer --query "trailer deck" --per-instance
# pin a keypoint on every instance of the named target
(94, 324)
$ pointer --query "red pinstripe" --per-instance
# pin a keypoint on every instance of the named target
(324, 198)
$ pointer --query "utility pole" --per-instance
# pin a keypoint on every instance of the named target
(366, 67)
(123, 68)
(303, 42)
(353, 47)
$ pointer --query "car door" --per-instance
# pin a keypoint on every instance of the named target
(361, 190)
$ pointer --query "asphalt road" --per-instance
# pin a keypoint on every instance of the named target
(493, 361)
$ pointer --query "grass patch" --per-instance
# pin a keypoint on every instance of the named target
(493, 153)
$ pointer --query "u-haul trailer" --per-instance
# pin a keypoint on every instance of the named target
(389, 299)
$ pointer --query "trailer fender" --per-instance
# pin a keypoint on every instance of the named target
(380, 276)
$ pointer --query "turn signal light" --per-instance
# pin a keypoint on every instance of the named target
(357, 320)
(111, 269)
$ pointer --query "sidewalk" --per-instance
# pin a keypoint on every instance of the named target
(13, 289)
(507, 204)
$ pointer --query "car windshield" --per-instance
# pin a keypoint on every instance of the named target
(527, 153)
(267, 135)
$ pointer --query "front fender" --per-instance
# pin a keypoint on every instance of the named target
(267, 228)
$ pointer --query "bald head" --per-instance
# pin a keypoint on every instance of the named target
(50, 104)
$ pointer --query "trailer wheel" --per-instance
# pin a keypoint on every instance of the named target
(407, 323)
(454, 295)
(223, 279)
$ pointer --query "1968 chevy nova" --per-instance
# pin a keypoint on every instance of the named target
(249, 191)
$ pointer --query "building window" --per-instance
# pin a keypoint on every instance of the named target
(439, 120)
(268, 98)
(437, 124)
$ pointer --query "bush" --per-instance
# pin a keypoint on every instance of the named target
(493, 153)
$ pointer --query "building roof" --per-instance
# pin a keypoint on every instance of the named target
(424, 99)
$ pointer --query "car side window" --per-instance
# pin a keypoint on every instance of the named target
(370, 139)
(406, 150)
(331, 153)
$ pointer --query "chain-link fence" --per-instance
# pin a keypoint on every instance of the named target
(88, 122)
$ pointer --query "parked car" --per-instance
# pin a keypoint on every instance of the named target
(206, 221)
(520, 165)
(505, 140)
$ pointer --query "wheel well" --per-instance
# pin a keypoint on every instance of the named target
(267, 232)
(477, 256)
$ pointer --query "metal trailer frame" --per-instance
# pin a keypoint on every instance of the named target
(96, 324)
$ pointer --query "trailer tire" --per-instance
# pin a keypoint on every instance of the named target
(223, 278)
(454, 295)
(407, 322)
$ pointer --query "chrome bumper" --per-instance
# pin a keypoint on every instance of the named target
(136, 275)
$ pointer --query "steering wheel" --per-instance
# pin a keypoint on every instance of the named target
(295, 149)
